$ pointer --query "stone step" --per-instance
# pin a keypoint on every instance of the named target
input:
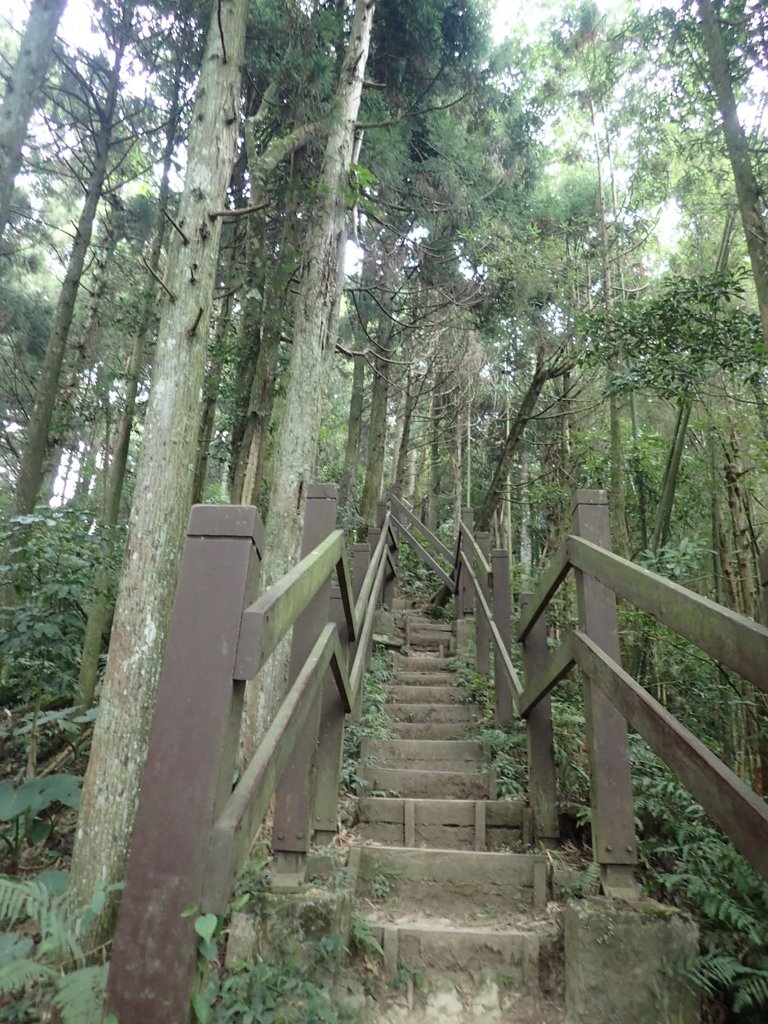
(426, 677)
(432, 713)
(449, 948)
(424, 624)
(464, 885)
(464, 997)
(429, 751)
(404, 782)
(421, 663)
(446, 643)
(444, 824)
(429, 731)
(425, 694)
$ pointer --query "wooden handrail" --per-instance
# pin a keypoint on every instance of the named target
(344, 576)
(500, 651)
(425, 556)
(438, 549)
(270, 617)
(551, 579)
(380, 553)
(739, 812)
(559, 665)
(477, 555)
(366, 630)
(730, 638)
(233, 832)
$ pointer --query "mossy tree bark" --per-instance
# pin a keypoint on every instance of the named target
(316, 317)
(164, 475)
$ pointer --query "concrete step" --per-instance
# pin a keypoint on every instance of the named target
(409, 752)
(444, 824)
(431, 784)
(440, 946)
(432, 713)
(463, 885)
(421, 663)
(463, 997)
(425, 694)
(426, 677)
(423, 623)
(445, 643)
(429, 731)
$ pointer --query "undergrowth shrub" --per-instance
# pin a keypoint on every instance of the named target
(374, 721)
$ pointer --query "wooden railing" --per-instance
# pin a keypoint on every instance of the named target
(194, 829)
(612, 698)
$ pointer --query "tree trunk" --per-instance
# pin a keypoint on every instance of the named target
(164, 475)
(314, 340)
(33, 456)
(495, 494)
(747, 189)
(99, 613)
(352, 451)
(434, 461)
(405, 436)
(21, 92)
(671, 473)
(377, 430)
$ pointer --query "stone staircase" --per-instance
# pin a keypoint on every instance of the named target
(462, 920)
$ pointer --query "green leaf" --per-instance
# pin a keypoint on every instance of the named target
(201, 1009)
(205, 926)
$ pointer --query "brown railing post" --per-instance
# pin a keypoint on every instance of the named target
(482, 626)
(330, 739)
(613, 830)
(190, 762)
(464, 602)
(361, 558)
(502, 614)
(542, 785)
(292, 820)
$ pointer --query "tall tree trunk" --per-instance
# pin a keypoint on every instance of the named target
(377, 430)
(21, 93)
(433, 494)
(354, 427)
(314, 339)
(748, 191)
(405, 436)
(671, 473)
(33, 456)
(164, 475)
(100, 611)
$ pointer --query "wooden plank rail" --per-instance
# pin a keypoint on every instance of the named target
(499, 648)
(476, 554)
(436, 546)
(740, 813)
(270, 617)
(548, 586)
(425, 556)
(730, 638)
(232, 835)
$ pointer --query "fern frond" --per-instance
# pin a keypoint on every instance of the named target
(21, 899)
(80, 997)
(20, 973)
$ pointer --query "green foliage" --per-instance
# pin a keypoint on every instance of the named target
(689, 861)
(374, 721)
(48, 571)
(21, 808)
(674, 342)
(52, 968)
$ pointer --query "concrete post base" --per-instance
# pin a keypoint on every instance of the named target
(465, 640)
(624, 963)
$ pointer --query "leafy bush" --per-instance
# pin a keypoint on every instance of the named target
(374, 721)
(46, 577)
